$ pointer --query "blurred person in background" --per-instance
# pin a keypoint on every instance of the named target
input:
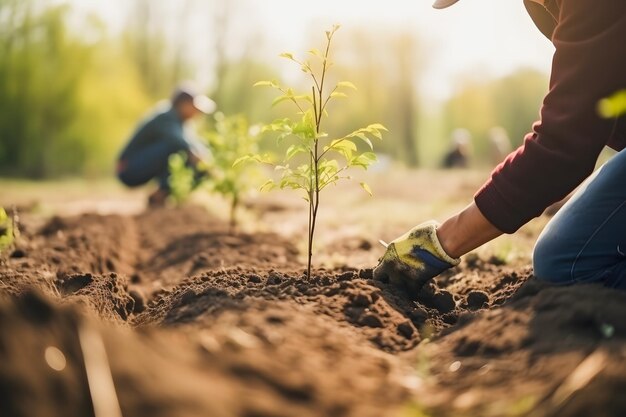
(586, 241)
(499, 145)
(146, 155)
(459, 153)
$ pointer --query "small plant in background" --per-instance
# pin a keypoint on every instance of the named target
(232, 139)
(325, 158)
(182, 178)
(8, 230)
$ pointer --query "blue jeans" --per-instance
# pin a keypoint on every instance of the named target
(586, 241)
(152, 162)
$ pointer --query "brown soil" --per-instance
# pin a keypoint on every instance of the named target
(199, 321)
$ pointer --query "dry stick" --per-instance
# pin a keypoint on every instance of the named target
(588, 369)
(579, 378)
(99, 378)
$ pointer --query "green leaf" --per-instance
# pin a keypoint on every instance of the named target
(280, 99)
(306, 127)
(364, 160)
(287, 55)
(365, 139)
(343, 146)
(613, 106)
(305, 97)
(338, 94)
(293, 150)
(328, 166)
(346, 84)
(267, 185)
(265, 84)
(366, 188)
(280, 125)
(241, 160)
(378, 126)
(291, 183)
(371, 156)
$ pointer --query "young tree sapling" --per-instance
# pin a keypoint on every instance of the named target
(327, 157)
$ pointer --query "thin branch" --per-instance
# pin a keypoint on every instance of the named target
(282, 90)
(328, 99)
(331, 147)
(328, 180)
(317, 84)
(314, 102)
(321, 88)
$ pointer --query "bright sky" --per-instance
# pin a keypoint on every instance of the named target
(491, 37)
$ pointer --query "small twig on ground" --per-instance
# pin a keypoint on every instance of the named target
(99, 376)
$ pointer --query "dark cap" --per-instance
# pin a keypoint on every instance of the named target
(188, 91)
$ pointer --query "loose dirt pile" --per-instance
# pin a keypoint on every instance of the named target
(197, 320)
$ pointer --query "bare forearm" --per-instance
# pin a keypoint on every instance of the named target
(466, 231)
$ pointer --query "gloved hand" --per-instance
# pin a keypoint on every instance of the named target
(414, 258)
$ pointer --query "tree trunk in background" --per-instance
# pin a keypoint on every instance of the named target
(158, 48)
(406, 94)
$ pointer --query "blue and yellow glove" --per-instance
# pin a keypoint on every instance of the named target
(414, 258)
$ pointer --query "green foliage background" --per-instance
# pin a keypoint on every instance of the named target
(65, 103)
(7, 233)
(71, 91)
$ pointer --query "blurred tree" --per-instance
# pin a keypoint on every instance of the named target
(517, 99)
(386, 68)
(511, 102)
(157, 41)
(237, 69)
(64, 100)
(405, 47)
(39, 66)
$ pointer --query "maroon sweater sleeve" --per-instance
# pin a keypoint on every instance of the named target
(589, 64)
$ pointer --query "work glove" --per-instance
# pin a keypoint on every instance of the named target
(414, 258)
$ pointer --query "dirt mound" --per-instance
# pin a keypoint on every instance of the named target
(345, 298)
(562, 346)
(379, 312)
(107, 295)
(118, 257)
(244, 364)
(176, 244)
(197, 320)
(47, 376)
(87, 243)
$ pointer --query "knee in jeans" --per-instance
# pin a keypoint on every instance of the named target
(548, 261)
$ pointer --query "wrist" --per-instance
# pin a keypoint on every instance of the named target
(465, 232)
(447, 233)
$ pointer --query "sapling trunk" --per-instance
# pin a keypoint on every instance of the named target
(319, 104)
(314, 203)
